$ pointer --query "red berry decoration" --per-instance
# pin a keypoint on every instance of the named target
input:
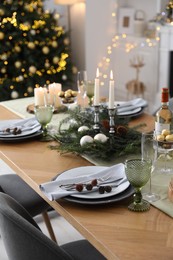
(94, 182)
(89, 186)
(79, 187)
(101, 189)
(108, 189)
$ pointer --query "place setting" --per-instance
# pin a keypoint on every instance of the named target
(90, 185)
(131, 108)
(15, 130)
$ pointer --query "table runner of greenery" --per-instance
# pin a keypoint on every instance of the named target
(124, 141)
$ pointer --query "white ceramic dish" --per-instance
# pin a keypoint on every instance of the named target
(76, 172)
(35, 127)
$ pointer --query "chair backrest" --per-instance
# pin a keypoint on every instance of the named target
(21, 235)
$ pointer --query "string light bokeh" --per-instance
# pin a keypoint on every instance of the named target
(125, 42)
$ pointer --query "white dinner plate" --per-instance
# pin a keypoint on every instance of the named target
(17, 138)
(130, 112)
(102, 201)
(5, 124)
(86, 170)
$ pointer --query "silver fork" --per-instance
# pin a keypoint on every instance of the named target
(100, 182)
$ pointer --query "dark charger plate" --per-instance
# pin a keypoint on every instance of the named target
(16, 138)
(119, 197)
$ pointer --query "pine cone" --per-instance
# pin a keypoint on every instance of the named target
(121, 130)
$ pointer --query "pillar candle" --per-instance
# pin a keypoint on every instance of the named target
(111, 91)
(40, 96)
(97, 89)
(54, 89)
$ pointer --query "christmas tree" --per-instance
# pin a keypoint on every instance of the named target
(169, 12)
(34, 50)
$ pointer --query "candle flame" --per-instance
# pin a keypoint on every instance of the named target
(97, 73)
(111, 75)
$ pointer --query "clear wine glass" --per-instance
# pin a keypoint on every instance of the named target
(149, 151)
(90, 91)
(138, 173)
(81, 85)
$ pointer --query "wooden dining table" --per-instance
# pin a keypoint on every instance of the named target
(114, 230)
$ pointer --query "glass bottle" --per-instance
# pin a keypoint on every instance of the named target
(164, 115)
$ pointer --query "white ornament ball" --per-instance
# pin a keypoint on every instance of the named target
(55, 60)
(17, 48)
(20, 78)
(83, 128)
(3, 70)
(56, 16)
(54, 44)
(47, 64)
(14, 94)
(86, 139)
(1, 35)
(101, 138)
(31, 45)
(32, 69)
(30, 89)
(33, 32)
(4, 56)
(45, 50)
(18, 64)
(64, 77)
(1, 12)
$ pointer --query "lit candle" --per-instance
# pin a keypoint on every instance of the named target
(111, 91)
(97, 89)
(54, 89)
(40, 96)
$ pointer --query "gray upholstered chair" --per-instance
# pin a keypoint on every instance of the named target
(24, 240)
(14, 186)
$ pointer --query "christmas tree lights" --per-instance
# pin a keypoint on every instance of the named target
(34, 49)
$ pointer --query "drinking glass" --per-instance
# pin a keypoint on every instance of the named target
(44, 116)
(81, 84)
(44, 112)
(90, 91)
(149, 151)
(138, 173)
(164, 158)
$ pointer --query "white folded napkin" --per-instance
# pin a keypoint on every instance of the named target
(131, 105)
(23, 124)
(53, 191)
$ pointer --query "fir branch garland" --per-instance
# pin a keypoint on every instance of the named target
(125, 141)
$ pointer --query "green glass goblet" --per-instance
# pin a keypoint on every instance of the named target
(138, 173)
(44, 115)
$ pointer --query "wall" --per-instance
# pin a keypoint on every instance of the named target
(100, 29)
(72, 18)
(92, 33)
